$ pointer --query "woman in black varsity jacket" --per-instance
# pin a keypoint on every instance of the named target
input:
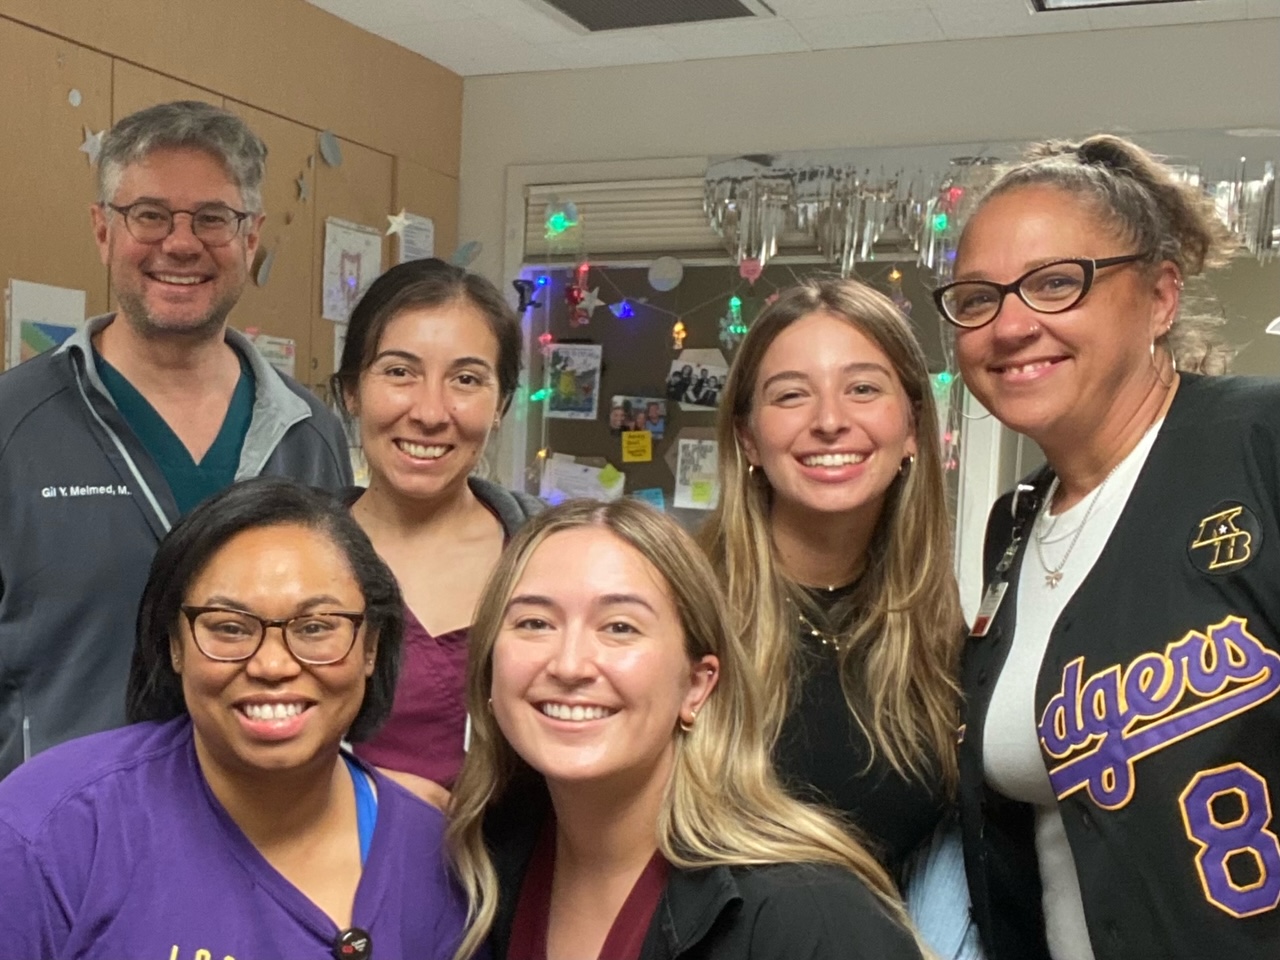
(1119, 760)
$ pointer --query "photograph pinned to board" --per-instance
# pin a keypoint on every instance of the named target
(573, 381)
(638, 413)
(565, 478)
(697, 483)
(696, 379)
(352, 261)
(40, 318)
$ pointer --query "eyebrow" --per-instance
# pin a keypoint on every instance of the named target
(605, 600)
(413, 357)
(165, 203)
(323, 599)
(1026, 268)
(862, 366)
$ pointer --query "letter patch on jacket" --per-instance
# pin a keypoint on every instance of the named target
(1097, 727)
(1226, 540)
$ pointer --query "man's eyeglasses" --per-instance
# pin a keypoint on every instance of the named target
(231, 636)
(1051, 288)
(214, 224)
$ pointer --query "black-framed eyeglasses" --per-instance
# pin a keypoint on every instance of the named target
(1050, 288)
(231, 636)
(214, 224)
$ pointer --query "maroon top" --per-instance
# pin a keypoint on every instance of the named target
(423, 734)
(533, 909)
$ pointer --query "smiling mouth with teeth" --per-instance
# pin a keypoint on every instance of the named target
(272, 711)
(179, 280)
(833, 459)
(576, 713)
(421, 451)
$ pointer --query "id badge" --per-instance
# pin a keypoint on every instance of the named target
(987, 611)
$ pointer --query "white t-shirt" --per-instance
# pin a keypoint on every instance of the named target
(1011, 754)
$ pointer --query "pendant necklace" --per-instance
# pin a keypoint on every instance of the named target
(1053, 575)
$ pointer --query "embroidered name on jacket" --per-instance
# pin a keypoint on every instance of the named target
(1096, 728)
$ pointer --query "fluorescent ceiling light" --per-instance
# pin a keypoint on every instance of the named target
(1044, 6)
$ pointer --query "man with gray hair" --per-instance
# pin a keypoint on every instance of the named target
(108, 440)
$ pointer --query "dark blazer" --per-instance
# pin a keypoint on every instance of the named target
(778, 912)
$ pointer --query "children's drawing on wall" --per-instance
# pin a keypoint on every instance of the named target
(573, 373)
(352, 261)
(638, 413)
(695, 384)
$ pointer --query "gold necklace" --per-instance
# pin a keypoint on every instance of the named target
(831, 640)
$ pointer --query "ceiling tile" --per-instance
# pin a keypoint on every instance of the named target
(1160, 14)
(506, 58)
(462, 33)
(875, 28)
(529, 22)
(974, 19)
(615, 49)
(806, 9)
(732, 38)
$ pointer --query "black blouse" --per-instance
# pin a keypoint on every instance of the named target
(822, 754)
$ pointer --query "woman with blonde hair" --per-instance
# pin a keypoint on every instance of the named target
(832, 537)
(617, 800)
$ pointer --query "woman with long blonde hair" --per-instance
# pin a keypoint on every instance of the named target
(832, 537)
(617, 799)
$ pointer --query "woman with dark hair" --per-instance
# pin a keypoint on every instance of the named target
(1120, 745)
(431, 361)
(226, 820)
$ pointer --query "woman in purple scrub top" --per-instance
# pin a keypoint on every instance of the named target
(227, 821)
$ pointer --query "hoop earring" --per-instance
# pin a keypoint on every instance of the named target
(687, 727)
(751, 470)
(1172, 365)
(907, 463)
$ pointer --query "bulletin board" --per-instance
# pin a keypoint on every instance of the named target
(637, 354)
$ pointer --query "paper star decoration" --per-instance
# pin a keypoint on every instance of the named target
(92, 145)
(591, 301)
(397, 223)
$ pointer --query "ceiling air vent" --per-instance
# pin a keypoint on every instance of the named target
(598, 15)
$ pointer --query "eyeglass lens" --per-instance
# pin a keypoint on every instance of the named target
(313, 638)
(213, 224)
(1050, 289)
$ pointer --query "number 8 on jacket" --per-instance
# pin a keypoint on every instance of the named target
(1230, 840)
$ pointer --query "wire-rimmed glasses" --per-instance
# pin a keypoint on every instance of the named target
(214, 224)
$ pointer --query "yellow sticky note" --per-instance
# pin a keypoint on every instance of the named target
(700, 491)
(637, 446)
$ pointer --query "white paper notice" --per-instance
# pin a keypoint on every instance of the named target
(417, 239)
(568, 480)
(352, 261)
(280, 352)
(40, 317)
(339, 343)
(697, 487)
